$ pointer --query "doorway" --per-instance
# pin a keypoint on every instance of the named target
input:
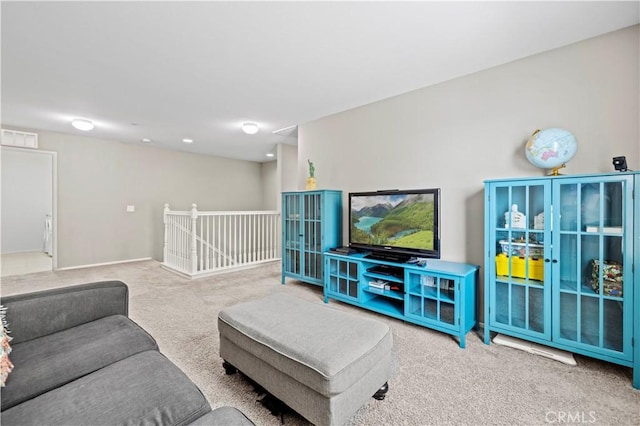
(28, 211)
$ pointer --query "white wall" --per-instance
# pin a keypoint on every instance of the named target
(270, 194)
(456, 134)
(97, 179)
(287, 167)
(27, 195)
(287, 170)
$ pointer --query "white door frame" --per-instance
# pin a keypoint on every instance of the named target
(54, 192)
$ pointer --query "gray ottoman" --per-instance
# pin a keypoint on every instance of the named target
(322, 362)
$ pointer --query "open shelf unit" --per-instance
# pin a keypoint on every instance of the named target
(440, 295)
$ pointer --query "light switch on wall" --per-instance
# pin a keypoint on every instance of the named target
(131, 209)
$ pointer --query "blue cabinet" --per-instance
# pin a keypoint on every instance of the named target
(440, 295)
(560, 263)
(311, 225)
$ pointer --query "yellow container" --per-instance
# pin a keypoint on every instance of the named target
(311, 183)
(519, 267)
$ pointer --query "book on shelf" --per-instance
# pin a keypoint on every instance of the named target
(605, 229)
(379, 284)
(376, 289)
(428, 281)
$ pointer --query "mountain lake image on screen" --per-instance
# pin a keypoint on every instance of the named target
(401, 220)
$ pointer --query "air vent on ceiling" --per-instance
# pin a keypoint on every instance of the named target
(19, 139)
(291, 131)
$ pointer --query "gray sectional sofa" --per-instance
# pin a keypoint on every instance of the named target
(80, 360)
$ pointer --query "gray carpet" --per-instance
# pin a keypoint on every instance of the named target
(437, 383)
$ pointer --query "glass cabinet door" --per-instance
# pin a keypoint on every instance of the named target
(591, 247)
(291, 234)
(342, 278)
(432, 298)
(312, 236)
(520, 300)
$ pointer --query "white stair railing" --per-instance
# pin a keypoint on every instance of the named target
(203, 243)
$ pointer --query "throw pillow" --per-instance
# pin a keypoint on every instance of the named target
(5, 349)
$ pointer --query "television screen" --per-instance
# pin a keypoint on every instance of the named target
(397, 222)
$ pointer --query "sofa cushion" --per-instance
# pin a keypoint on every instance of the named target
(47, 362)
(40, 313)
(145, 388)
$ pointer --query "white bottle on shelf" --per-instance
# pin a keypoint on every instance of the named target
(515, 219)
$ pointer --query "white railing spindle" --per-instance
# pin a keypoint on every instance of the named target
(165, 245)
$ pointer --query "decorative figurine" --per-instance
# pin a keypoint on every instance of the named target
(312, 169)
(311, 180)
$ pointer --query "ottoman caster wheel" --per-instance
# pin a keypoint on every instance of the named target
(382, 392)
(228, 368)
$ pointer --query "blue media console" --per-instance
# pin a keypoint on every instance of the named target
(440, 295)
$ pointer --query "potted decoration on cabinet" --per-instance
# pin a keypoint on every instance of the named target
(311, 180)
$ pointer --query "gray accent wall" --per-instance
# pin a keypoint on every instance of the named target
(456, 134)
(97, 179)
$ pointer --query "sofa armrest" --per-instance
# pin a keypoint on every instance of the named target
(37, 314)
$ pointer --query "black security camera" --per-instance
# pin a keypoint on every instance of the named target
(620, 163)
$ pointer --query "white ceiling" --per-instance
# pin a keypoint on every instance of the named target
(173, 70)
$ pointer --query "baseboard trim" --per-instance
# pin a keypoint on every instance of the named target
(25, 251)
(68, 268)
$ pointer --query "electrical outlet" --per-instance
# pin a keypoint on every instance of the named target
(131, 209)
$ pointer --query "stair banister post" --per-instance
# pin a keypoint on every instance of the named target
(194, 245)
(165, 248)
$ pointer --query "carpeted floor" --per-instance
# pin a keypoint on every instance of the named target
(437, 383)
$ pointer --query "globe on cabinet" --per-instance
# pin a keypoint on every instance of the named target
(551, 149)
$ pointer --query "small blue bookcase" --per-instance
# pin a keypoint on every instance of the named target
(311, 225)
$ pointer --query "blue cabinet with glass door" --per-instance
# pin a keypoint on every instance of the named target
(560, 263)
(311, 225)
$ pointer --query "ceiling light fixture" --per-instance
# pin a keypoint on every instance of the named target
(146, 140)
(270, 154)
(186, 140)
(82, 124)
(250, 128)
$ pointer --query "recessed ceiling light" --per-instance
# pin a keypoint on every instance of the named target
(82, 124)
(146, 140)
(186, 140)
(270, 154)
(250, 128)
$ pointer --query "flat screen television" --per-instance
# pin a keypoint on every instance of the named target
(396, 225)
